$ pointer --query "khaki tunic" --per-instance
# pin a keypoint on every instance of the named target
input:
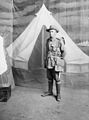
(53, 54)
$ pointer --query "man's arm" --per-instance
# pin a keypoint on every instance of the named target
(62, 48)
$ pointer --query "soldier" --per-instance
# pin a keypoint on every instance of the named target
(54, 61)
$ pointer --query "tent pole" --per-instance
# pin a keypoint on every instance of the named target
(43, 46)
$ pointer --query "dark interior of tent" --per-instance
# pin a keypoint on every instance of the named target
(35, 75)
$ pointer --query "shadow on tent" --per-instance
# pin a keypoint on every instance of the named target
(37, 79)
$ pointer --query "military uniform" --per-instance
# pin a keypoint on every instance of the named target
(54, 63)
(54, 54)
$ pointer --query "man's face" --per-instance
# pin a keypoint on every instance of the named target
(52, 33)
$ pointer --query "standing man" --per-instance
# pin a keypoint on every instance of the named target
(54, 61)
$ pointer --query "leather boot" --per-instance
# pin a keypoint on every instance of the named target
(58, 97)
(50, 90)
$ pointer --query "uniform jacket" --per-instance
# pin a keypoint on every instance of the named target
(54, 54)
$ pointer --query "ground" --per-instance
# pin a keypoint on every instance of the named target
(27, 104)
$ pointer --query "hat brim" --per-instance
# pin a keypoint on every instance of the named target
(48, 30)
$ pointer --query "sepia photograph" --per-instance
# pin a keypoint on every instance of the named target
(44, 59)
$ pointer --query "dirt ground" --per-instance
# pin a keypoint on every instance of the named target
(27, 104)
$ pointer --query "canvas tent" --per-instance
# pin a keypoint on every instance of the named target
(27, 50)
(6, 77)
(3, 64)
